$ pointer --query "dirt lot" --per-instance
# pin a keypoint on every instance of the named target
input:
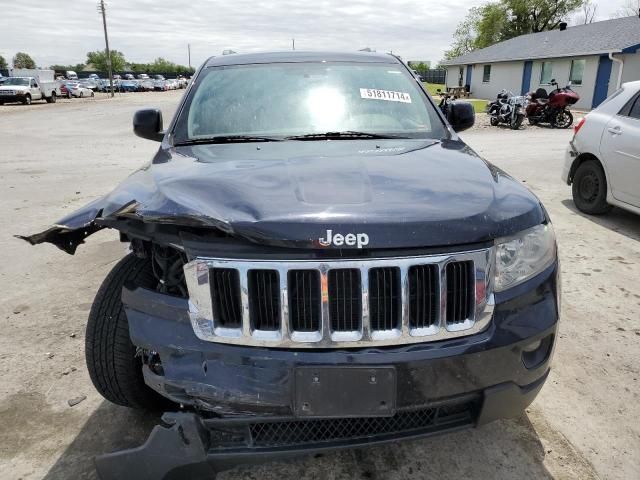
(54, 158)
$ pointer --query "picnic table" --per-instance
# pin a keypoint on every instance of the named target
(460, 92)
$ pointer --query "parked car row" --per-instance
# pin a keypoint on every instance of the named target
(75, 89)
(141, 84)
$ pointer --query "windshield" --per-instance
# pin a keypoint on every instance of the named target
(297, 99)
(24, 82)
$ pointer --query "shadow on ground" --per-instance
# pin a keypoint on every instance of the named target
(617, 220)
(501, 450)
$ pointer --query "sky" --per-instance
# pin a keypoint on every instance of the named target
(62, 32)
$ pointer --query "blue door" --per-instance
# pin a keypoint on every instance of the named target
(468, 82)
(602, 81)
(526, 77)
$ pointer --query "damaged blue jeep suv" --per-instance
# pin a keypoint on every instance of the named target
(317, 261)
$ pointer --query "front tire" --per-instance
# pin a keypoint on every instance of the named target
(114, 367)
(516, 122)
(589, 188)
(562, 119)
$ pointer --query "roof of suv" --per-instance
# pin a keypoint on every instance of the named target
(295, 56)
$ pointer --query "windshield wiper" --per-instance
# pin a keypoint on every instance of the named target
(227, 139)
(346, 135)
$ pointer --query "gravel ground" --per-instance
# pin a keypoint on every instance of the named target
(55, 158)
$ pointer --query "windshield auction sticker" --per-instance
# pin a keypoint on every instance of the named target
(388, 95)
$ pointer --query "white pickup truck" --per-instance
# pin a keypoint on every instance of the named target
(27, 85)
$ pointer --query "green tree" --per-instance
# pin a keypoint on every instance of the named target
(501, 20)
(98, 60)
(23, 60)
(421, 67)
(465, 34)
(139, 67)
(160, 65)
(78, 67)
(3, 63)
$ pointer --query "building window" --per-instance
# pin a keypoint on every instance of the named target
(577, 71)
(486, 74)
(546, 73)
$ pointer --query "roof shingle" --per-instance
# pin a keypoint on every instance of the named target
(613, 35)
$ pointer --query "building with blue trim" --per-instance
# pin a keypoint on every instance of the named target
(597, 58)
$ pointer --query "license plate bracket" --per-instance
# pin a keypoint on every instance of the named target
(332, 392)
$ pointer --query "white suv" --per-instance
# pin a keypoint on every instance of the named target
(603, 159)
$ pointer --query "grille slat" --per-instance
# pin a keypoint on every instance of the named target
(264, 299)
(345, 302)
(459, 291)
(423, 296)
(384, 298)
(225, 293)
(304, 300)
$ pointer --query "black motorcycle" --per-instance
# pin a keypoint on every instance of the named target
(507, 108)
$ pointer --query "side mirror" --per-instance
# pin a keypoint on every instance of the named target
(461, 115)
(147, 124)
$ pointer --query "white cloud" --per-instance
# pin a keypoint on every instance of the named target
(63, 32)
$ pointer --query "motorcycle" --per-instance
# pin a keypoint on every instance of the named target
(445, 102)
(508, 109)
(552, 107)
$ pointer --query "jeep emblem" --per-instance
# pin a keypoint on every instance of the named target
(350, 239)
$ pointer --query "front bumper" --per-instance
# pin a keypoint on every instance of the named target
(189, 446)
(11, 98)
(248, 394)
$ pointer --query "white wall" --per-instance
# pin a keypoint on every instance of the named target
(453, 76)
(561, 68)
(507, 75)
(630, 72)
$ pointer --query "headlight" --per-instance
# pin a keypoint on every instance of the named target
(524, 255)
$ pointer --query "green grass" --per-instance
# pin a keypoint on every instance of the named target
(432, 87)
(479, 105)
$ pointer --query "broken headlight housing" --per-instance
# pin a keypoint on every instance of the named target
(523, 256)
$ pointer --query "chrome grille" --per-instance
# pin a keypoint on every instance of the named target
(340, 303)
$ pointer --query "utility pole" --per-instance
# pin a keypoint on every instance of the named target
(293, 44)
(189, 50)
(102, 10)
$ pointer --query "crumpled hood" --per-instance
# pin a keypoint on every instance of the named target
(400, 193)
